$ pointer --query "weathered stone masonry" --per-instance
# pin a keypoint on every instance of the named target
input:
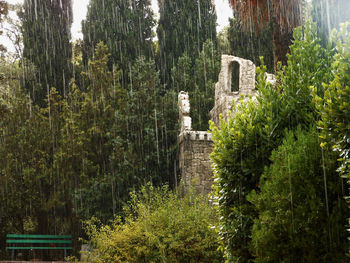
(194, 162)
(195, 146)
(224, 95)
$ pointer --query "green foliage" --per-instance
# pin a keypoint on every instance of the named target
(96, 145)
(308, 65)
(199, 80)
(334, 108)
(147, 123)
(160, 226)
(3, 14)
(242, 145)
(124, 26)
(183, 27)
(32, 193)
(14, 111)
(206, 72)
(299, 219)
(328, 15)
(46, 40)
(223, 41)
(86, 146)
(239, 156)
(117, 139)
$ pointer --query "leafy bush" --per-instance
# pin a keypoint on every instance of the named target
(300, 206)
(159, 226)
(243, 144)
(334, 107)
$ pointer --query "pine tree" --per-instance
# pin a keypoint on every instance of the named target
(183, 28)
(46, 39)
(87, 152)
(147, 124)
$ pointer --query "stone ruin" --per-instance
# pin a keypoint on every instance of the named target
(236, 80)
(184, 111)
(194, 149)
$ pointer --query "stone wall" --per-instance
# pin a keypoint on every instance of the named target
(194, 161)
(223, 94)
(195, 146)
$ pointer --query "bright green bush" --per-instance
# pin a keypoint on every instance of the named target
(160, 226)
(334, 107)
(243, 144)
(300, 204)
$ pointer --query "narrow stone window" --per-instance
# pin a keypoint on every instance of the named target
(235, 67)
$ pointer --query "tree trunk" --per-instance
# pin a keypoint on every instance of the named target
(281, 42)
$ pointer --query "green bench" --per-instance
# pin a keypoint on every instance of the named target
(28, 242)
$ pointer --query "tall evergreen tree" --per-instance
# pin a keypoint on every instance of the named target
(125, 26)
(183, 27)
(150, 135)
(46, 38)
(115, 139)
(198, 78)
(85, 160)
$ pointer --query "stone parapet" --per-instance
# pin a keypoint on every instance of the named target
(195, 135)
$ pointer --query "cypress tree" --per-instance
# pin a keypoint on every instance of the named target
(199, 80)
(183, 27)
(46, 39)
(124, 26)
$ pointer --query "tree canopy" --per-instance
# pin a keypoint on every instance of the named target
(46, 40)
(183, 27)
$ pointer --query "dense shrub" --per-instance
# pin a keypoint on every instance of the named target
(334, 108)
(243, 145)
(300, 204)
(160, 226)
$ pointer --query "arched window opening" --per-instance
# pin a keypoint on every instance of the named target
(235, 67)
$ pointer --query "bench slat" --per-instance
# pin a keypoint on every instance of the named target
(23, 241)
(39, 248)
(37, 236)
